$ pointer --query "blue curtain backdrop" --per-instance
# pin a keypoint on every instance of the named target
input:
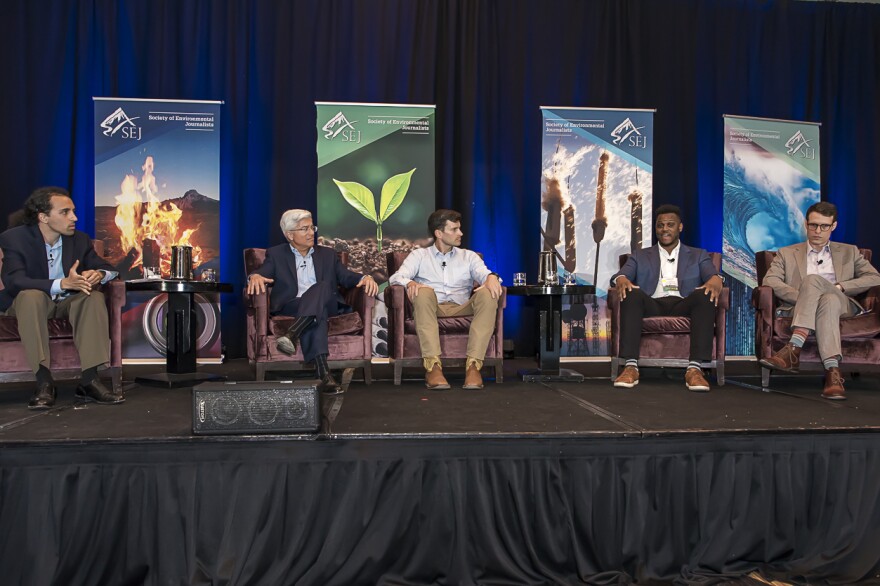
(487, 64)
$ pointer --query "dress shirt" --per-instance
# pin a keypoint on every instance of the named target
(451, 275)
(668, 270)
(56, 271)
(819, 263)
(305, 271)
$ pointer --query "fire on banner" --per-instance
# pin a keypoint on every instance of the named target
(596, 202)
(375, 187)
(771, 177)
(157, 185)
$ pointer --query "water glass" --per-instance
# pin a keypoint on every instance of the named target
(209, 275)
(519, 279)
(152, 273)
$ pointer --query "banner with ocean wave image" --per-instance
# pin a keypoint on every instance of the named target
(596, 204)
(771, 177)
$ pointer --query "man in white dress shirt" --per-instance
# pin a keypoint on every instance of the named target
(439, 281)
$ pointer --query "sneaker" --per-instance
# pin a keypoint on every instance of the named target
(695, 381)
(628, 378)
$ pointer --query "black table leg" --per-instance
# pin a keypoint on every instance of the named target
(550, 344)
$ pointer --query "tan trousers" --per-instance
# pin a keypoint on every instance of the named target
(819, 307)
(480, 305)
(87, 315)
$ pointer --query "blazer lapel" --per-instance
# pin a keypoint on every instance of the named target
(800, 259)
(684, 258)
(290, 257)
(67, 255)
(40, 247)
(319, 266)
(837, 260)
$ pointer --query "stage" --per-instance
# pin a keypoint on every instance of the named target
(519, 483)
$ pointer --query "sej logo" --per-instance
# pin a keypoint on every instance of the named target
(627, 134)
(119, 122)
(800, 146)
(340, 126)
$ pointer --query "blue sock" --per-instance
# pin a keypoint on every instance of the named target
(833, 362)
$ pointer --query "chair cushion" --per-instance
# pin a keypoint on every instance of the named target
(666, 325)
(446, 325)
(866, 325)
(58, 328)
(337, 325)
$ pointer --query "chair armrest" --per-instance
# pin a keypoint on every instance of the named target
(764, 303)
(358, 299)
(871, 299)
(396, 302)
(257, 309)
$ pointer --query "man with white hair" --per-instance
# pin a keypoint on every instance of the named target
(305, 282)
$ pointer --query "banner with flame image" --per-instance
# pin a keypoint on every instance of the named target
(157, 185)
(596, 202)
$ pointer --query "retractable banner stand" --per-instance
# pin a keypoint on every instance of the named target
(157, 185)
(596, 202)
(375, 187)
(771, 177)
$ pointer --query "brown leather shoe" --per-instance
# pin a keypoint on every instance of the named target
(695, 381)
(834, 385)
(473, 380)
(788, 359)
(628, 378)
(435, 380)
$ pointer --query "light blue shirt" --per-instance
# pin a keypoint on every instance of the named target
(820, 263)
(305, 271)
(451, 275)
(56, 271)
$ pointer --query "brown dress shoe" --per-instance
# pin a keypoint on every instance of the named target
(435, 380)
(788, 359)
(628, 378)
(472, 378)
(834, 385)
(695, 381)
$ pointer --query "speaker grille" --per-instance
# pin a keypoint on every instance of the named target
(256, 407)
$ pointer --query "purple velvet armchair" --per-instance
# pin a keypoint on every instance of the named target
(666, 340)
(403, 342)
(860, 335)
(65, 360)
(350, 334)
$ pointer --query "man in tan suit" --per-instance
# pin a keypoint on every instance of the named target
(817, 280)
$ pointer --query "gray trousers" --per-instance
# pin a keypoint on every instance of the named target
(819, 307)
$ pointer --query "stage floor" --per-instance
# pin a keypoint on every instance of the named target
(659, 406)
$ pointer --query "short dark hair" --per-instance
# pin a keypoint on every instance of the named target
(667, 208)
(438, 219)
(40, 202)
(823, 208)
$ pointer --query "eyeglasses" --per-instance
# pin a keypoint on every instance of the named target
(819, 227)
(305, 229)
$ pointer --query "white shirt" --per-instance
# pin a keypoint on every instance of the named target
(668, 270)
(819, 263)
(305, 271)
(451, 275)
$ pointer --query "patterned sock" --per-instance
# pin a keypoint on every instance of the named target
(694, 364)
(833, 362)
(632, 362)
(798, 337)
(321, 365)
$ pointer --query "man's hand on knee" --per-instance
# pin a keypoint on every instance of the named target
(412, 289)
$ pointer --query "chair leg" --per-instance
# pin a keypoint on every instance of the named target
(261, 371)
(615, 366)
(398, 372)
(368, 374)
(116, 377)
(719, 373)
(765, 377)
(499, 372)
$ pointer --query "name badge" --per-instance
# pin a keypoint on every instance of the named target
(669, 285)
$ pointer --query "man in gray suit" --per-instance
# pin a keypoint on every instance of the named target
(816, 280)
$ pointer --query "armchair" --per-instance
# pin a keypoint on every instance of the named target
(403, 341)
(666, 339)
(350, 334)
(860, 343)
(64, 357)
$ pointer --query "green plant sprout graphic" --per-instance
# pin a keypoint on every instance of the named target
(361, 198)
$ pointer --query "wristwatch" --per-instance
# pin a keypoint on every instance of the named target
(497, 276)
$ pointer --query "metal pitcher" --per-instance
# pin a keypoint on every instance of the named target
(547, 274)
(182, 263)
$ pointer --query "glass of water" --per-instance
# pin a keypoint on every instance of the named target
(519, 279)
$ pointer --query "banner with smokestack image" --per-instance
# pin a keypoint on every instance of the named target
(596, 202)
(157, 185)
(375, 187)
(771, 177)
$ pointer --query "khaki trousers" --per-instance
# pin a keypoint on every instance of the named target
(87, 315)
(819, 307)
(480, 305)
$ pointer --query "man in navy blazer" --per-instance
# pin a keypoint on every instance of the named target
(672, 279)
(51, 270)
(305, 280)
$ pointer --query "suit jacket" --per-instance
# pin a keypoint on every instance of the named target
(643, 269)
(280, 264)
(25, 265)
(789, 268)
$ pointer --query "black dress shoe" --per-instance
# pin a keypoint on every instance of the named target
(43, 397)
(329, 386)
(97, 392)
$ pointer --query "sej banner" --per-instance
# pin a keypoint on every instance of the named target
(157, 185)
(771, 177)
(596, 202)
(375, 186)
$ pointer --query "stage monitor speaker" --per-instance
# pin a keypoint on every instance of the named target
(256, 407)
